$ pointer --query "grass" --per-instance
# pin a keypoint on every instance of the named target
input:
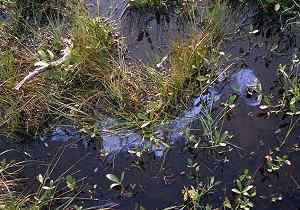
(289, 78)
(213, 135)
(287, 11)
(289, 6)
(186, 7)
(287, 102)
(61, 192)
(146, 4)
(8, 181)
(38, 11)
(97, 83)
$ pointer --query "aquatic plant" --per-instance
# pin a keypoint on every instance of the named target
(148, 4)
(289, 94)
(244, 193)
(283, 6)
(8, 179)
(289, 78)
(185, 7)
(273, 164)
(212, 134)
(95, 81)
(58, 193)
(286, 11)
(117, 182)
(193, 196)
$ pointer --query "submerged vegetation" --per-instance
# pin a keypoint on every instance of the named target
(59, 193)
(61, 67)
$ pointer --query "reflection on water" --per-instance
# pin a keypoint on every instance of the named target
(148, 36)
(117, 141)
(159, 177)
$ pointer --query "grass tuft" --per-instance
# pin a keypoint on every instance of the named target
(98, 82)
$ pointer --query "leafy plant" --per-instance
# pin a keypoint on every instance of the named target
(289, 6)
(212, 135)
(274, 164)
(71, 182)
(148, 4)
(193, 196)
(244, 191)
(117, 181)
(290, 81)
(50, 193)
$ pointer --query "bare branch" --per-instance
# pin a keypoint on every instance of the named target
(66, 56)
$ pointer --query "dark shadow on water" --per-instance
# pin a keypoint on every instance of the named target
(157, 182)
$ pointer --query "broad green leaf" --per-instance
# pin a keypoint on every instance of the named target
(227, 203)
(122, 176)
(42, 54)
(47, 188)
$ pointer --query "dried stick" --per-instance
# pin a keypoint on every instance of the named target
(66, 56)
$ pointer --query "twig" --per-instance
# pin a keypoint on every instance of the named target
(66, 56)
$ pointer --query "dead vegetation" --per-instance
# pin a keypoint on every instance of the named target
(94, 80)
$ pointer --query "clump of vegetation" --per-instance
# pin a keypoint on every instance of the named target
(96, 81)
(193, 196)
(213, 135)
(144, 4)
(39, 10)
(59, 193)
(274, 164)
(287, 10)
(16, 106)
(289, 79)
(290, 7)
(244, 193)
(185, 6)
(289, 90)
